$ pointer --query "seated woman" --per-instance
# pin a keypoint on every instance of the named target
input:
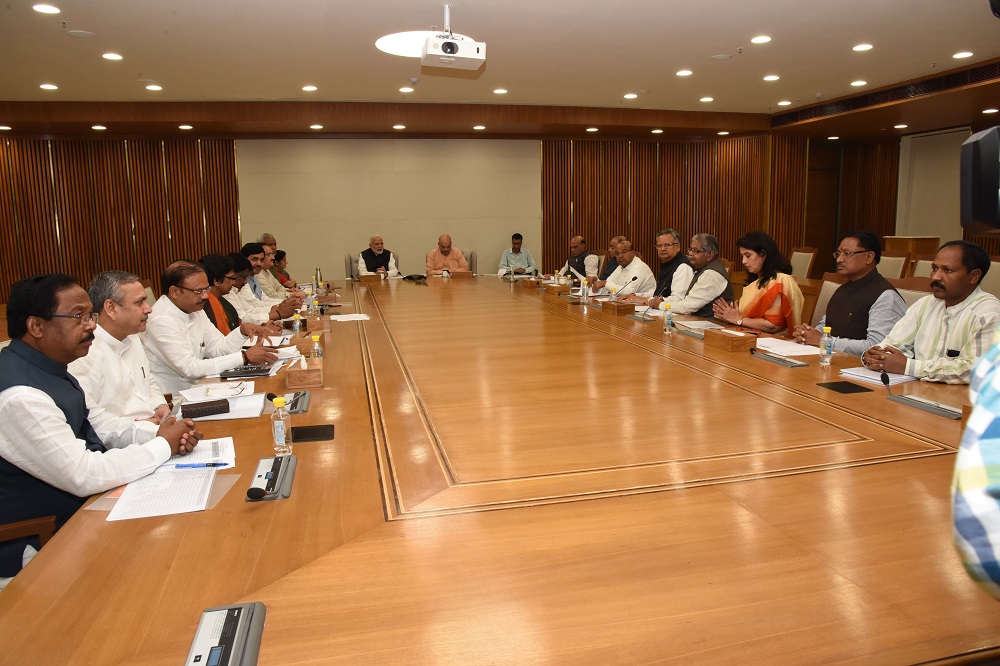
(771, 300)
(280, 264)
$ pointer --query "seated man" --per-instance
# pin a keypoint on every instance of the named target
(269, 283)
(632, 275)
(445, 258)
(612, 258)
(863, 311)
(377, 259)
(126, 405)
(250, 301)
(941, 335)
(515, 260)
(182, 344)
(675, 270)
(581, 260)
(51, 459)
(710, 281)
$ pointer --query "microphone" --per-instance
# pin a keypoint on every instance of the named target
(885, 380)
(270, 397)
(256, 493)
(619, 292)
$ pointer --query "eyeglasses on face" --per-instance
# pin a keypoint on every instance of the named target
(230, 277)
(200, 292)
(664, 246)
(83, 319)
(848, 254)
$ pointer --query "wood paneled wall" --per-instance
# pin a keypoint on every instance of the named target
(598, 189)
(80, 207)
(868, 182)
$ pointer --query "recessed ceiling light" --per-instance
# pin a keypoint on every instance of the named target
(784, 102)
(398, 127)
(154, 87)
(684, 72)
(707, 99)
(723, 133)
(184, 127)
(989, 110)
(721, 56)
(832, 138)
(771, 77)
(500, 91)
(657, 131)
(4, 128)
(111, 56)
(46, 9)
(98, 127)
(761, 39)
(859, 83)
(479, 128)
(80, 34)
(406, 89)
(49, 86)
(309, 88)
(630, 95)
(899, 126)
(591, 129)
(962, 54)
(315, 127)
(862, 47)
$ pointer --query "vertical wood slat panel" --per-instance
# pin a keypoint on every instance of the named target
(184, 199)
(869, 180)
(113, 216)
(9, 227)
(149, 206)
(74, 201)
(788, 169)
(646, 206)
(221, 195)
(32, 178)
(557, 212)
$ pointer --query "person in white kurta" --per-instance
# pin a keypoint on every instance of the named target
(632, 276)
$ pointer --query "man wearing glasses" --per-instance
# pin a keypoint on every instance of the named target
(182, 344)
(863, 311)
(675, 270)
(51, 459)
(250, 301)
(710, 281)
(632, 275)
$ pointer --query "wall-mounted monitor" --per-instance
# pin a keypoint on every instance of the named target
(980, 182)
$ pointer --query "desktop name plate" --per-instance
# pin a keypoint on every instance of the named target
(228, 636)
(273, 479)
(930, 406)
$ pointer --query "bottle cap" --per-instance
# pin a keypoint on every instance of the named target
(296, 316)
(666, 306)
(827, 329)
(315, 338)
(279, 402)
(315, 301)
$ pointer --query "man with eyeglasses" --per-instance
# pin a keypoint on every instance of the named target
(251, 302)
(182, 344)
(632, 276)
(675, 270)
(51, 458)
(710, 281)
(862, 311)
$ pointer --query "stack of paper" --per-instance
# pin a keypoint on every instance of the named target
(873, 377)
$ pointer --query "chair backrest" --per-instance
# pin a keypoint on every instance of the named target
(991, 283)
(728, 264)
(351, 265)
(470, 258)
(894, 265)
(802, 261)
(831, 281)
(912, 289)
(922, 265)
(147, 285)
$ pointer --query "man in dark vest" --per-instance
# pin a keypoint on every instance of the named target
(710, 281)
(862, 311)
(377, 259)
(612, 259)
(581, 260)
(50, 457)
(675, 273)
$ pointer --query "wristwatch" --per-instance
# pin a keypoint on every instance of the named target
(739, 322)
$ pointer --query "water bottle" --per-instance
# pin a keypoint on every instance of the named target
(317, 348)
(668, 321)
(296, 323)
(281, 428)
(825, 347)
(583, 288)
(314, 309)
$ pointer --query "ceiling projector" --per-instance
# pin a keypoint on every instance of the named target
(453, 51)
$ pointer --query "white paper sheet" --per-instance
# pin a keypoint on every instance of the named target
(698, 324)
(220, 449)
(203, 392)
(350, 317)
(873, 377)
(270, 341)
(786, 347)
(166, 491)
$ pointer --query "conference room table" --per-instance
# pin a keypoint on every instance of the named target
(517, 478)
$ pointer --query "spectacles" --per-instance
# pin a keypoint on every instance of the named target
(230, 277)
(848, 255)
(90, 317)
(200, 292)
(663, 246)
(692, 250)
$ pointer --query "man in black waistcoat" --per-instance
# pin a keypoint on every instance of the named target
(710, 282)
(862, 311)
(675, 273)
(581, 262)
(50, 457)
(377, 259)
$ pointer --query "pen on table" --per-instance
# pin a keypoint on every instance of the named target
(208, 464)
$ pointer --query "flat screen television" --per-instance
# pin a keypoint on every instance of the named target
(980, 182)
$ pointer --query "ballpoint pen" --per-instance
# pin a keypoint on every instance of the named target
(205, 464)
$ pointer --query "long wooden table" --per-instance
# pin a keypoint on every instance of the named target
(518, 479)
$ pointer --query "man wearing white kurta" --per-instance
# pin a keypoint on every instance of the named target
(632, 276)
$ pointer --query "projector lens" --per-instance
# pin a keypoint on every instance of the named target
(451, 48)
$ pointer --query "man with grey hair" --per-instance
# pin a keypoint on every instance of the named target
(377, 259)
(710, 281)
(126, 404)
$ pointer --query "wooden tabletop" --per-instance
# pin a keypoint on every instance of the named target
(518, 479)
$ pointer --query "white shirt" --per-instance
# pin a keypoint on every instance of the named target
(680, 281)
(184, 347)
(392, 271)
(120, 388)
(591, 263)
(271, 286)
(620, 282)
(35, 437)
(709, 287)
(249, 307)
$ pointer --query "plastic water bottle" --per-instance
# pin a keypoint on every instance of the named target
(314, 309)
(583, 288)
(825, 347)
(317, 348)
(668, 321)
(281, 428)
(296, 323)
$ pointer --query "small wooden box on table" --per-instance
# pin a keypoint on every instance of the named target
(372, 277)
(317, 324)
(731, 341)
(557, 289)
(616, 308)
(311, 376)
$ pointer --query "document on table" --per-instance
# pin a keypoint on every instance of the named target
(786, 347)
(873, 377)
(240, 407)
(166, 491)
(270, 341)
(218, 450)
(203, 392)
(288, 352)
(350, 317)
(697, 324)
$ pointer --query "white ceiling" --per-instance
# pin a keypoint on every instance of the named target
(577, 53)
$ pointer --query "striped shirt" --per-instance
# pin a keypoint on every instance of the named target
(943, 343)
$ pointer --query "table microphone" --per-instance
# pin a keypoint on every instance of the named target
(255, 493)
(885, 380)
(619, 292)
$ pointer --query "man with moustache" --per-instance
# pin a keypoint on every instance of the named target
(675, 270)
(124, 400)
(942, 335)
(377, 260)
(51, 458)
(182, 344)
(710, 281)
(250, 301)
